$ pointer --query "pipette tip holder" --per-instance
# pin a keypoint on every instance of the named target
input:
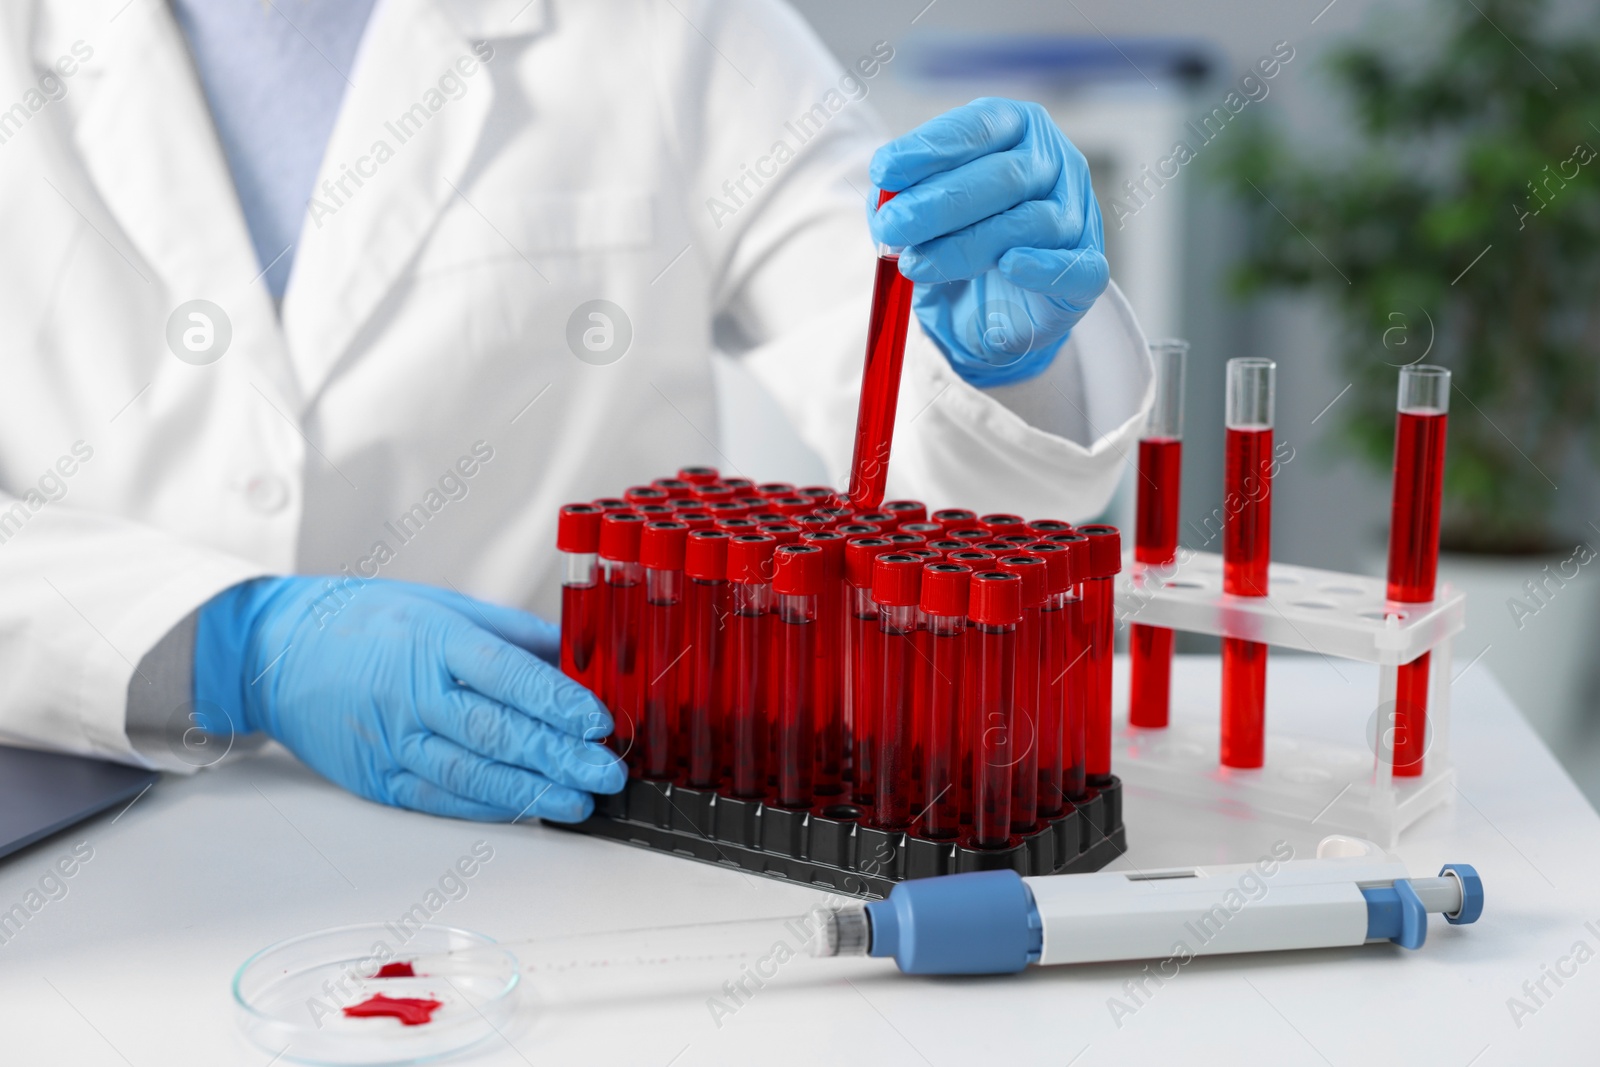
(1334, 786)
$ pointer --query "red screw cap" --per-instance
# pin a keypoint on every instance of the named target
(750, 558)
(741, 484)
(955, 518)
(619, 536)
(995, 598)
(771, 489)
(897, 580)
(696, 520)
(882, 519)
(674, 486)
(578, 529)
(1057, 565)
(976, 558)
(644, 494)
(859, 552)
(858, 529)
(706, 555)
(714, 491)
(785, 533)
(948, 544)
(609, 504)
(1078, 549)
(999, 524)
(661, 545)
(905, 539)
(1105, 550)
(928, 531)
(944, 588)
(797, 570)
(831, 544)
(699, 475)
(974, 534)
(1031, 569)
(737, 526)
(907, 510)
(1049, 526)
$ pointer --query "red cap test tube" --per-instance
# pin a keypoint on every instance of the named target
(661, 552)
(622, 687)
(750, 572)
(897, 588)
(880, 376)
(944, 609)
(705, 602)
(578, 541)
(1099, 606)
(862, 663)
(1053, 642)
(1421, 420)
(1155, 539)
(1246, 552)
(1027, 727)
(993, 611)
(1079, 635)
(828, 699)
(797, 579)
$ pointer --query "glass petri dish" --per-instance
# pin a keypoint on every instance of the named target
(289, 997)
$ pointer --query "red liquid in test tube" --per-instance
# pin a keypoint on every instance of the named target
(944, 607)
(1099, 608)
(1078, 632)
(880, 377)
(704, 600)
(828, 688)
(661, 550)
(897, 589)
(1246, 552)
(797, 582)
(622, 689)
(1156, 532)
(863, 663)
(750, 575)
(1026, 726)
(1421, 421)
(578, 541)
(1053, 643)
(994, 609)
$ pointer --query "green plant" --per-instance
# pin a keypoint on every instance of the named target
(1466, 220)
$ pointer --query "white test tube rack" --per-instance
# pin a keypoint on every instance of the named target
(1331, 786)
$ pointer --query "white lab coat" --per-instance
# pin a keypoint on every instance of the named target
(424, 331)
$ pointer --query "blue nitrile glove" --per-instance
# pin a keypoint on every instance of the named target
(407, 695)
(1003, 233)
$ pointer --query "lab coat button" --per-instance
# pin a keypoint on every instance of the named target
(266, 493)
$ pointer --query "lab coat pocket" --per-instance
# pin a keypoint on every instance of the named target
(538, 226)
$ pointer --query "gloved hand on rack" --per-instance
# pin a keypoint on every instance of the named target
(406, 695)
(1002, 233)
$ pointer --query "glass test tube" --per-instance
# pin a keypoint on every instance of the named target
(750, 577)
(705, 568)
(1421, 420)
(1026, 727)
(1053, 641)
(944, 609)
(1155, 541)
(622, 689)
(827, 700)
(863, 663)
(994, 609)
(661, 550)
(897, 589)
(578, 541)
(1078, 635)
(797, 580)
(880, 376)
(1246, 552)
(1099, 609)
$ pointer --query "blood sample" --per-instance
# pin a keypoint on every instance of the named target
(897, 588)
(578, 541)
(827, 700)
(938, 714)
(705, 568)
(954, 518)
(699, 475)
(1053, 643)
(905, 511)
(411, 1011)
(1079, 634)
(995, 607)
(880, 376)
(661, 550)
(1246, 552)
(862, 663)
(1104, 563)
(1000, 524)
(399, 969)
(750, 575)
(797, 577)
(622, 687)
(644, 494)
(1026, 709)
(1155, 540)
(1421, 420)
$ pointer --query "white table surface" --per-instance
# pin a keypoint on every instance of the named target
(133, 965)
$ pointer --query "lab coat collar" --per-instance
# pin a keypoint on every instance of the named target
(398, 156)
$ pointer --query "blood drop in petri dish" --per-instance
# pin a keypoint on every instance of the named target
(411, 1011)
